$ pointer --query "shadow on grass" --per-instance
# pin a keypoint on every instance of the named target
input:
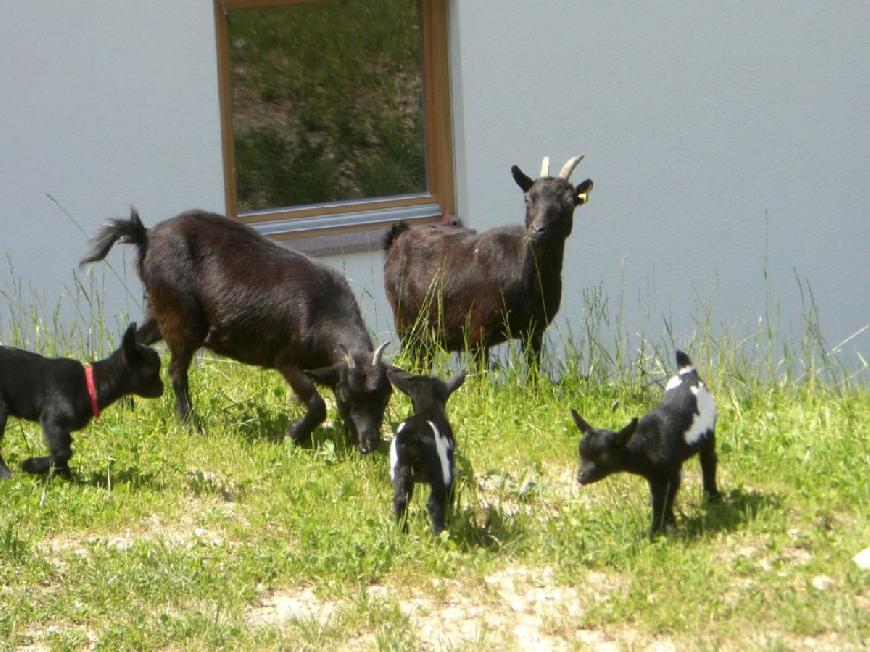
(256, 422)
(492, 530)
(329, 439)
(132, 476)
(731, 512)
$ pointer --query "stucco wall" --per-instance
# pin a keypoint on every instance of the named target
(105, 105)
(719, 135)
(728, 144)
(725, 139)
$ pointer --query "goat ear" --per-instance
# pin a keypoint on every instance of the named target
(325, 375)
(128, 343)
(583, 190)
(522, 180)
(626, 433)
(584, 427)
(683, 360)
(400, 378)
(456, 382)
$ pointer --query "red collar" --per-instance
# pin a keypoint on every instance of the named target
(92, 389)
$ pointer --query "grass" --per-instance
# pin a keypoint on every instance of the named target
(239, 539)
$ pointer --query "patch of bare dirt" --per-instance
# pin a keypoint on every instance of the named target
(284, 606)
(184, 533)
(40, 638)
(517, 608)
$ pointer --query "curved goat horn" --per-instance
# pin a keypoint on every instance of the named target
(376, 357)
(545, 167)
(348, 358)
(569, 166)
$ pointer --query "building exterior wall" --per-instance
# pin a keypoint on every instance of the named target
(105, 105)
(723, 138)
(728, 144)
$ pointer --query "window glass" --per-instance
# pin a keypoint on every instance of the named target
(327, 102)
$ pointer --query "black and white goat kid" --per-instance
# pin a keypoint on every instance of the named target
(656, 446)
(423, 448)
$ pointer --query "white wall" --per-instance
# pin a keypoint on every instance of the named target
(709, 128)
(104, 105)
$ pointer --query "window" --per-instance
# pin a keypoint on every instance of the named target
(335, 116)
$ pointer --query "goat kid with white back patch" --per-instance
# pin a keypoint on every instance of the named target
(423, 448)
(656, 446)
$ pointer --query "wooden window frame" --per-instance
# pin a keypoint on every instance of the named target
(357, 224)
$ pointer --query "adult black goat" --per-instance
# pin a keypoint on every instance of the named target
(462, 289)
(217, 283)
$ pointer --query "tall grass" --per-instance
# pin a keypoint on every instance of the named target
(167, 538)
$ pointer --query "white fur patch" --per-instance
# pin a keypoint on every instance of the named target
(673, 383)
(705, 419)
(442, 445)
(394, 453)
(677, 379)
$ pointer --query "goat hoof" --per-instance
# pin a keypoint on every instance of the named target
(39, 465)
(36, 465)
(714, 497)
(369, 447)
(299, 433)
(63, 472)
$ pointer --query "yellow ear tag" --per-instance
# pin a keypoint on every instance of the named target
(583, 197)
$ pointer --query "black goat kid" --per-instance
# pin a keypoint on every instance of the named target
(63, 395)
(455, 288)
(217, 283)
(423, 448)
(655, 447)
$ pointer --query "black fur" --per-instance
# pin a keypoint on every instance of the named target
(394, 232)
(414, 454)
(53, 392)
(214, 282)
(463, 289)
(654, 447)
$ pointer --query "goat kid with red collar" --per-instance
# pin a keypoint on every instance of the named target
(655, 447)
(63, 395)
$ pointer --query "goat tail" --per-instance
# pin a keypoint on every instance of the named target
(130, 231)
(395, 231)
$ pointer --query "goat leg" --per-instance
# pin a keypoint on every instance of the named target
(149, 332)
(403, 490)
(663, 493)
(300, 431)
(4, 470)
(437, 506)
(59, 442)
(181, 355)
(709, 460)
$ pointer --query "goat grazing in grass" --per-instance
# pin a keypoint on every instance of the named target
(217, 283)
(458, 288)
(655, 447)
(63, 395)
(423, 447)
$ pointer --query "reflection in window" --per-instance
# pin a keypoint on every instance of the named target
(326, 102)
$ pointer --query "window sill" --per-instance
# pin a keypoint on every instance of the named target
(344, 233)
